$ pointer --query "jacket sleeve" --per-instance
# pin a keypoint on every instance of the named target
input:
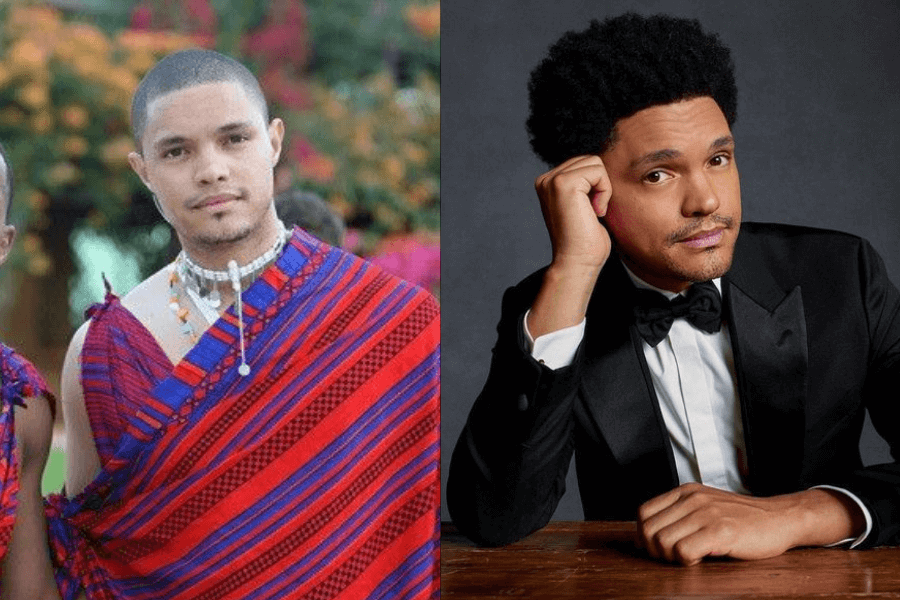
(508, 469)
(878, 486)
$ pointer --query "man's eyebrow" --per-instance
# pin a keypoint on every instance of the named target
(236, 126)
(726, 141)
(176, 140)
(172, 140)
(654, 157)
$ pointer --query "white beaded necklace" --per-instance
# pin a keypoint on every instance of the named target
(201, 285)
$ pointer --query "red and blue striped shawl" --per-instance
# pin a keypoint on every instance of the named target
(18, 380)
(316, 476)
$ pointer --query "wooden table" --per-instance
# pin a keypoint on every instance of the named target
(599, 560)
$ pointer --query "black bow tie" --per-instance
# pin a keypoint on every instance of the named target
(654, 313)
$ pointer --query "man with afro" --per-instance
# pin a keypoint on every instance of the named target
(710, 376)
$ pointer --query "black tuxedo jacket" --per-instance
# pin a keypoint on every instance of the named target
(815, 329)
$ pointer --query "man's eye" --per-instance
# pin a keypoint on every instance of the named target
(656, 176)
(173, 153)
(719, 160)
(237, 138)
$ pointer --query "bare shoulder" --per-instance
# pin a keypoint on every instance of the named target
(71, 373)
(148, 299)
(34, 430)
(82, 460)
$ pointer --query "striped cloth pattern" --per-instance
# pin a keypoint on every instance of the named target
(18, 380)
(316, 476)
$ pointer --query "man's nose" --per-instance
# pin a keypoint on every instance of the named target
(211, 167)
(701, 197)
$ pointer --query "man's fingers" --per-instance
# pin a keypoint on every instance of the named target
(600, 201)
(688, 539)
(663, 501)
(692, 522)
(666, 519)
(585, 174)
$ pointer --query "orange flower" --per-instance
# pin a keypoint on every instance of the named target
(394, 169)
(415, 153)
(318, 168)
(74, 146)
(140, 61)
(38, 200)
(90, 38)
(42, 122)
(115, 152)
(419, 194)
(40, 264)
(25, 57)
(33, 17)
(12, 115)
(31, 243)
(62, 173)
(74, 116)
(122, 79)
(425, 20)
(34, 95)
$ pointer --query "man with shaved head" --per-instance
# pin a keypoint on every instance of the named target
(258, 419)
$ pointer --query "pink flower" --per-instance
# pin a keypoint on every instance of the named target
(410, 258)
(283, 37)
(284, 90)
(141, 17)
(203, 15)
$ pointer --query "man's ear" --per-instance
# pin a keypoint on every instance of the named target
(7, 237)
(139, 166)
(276, 137)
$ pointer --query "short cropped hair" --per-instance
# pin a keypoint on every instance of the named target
(185, 69)
(309, 211)
(593, 78)
(7, 189)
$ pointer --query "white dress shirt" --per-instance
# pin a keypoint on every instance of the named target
(694, 379)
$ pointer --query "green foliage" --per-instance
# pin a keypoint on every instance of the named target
(353, 39)
(356, 81)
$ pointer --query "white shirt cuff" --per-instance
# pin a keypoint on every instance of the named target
(862, 507)
(555, 349)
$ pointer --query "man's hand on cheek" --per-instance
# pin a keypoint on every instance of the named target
(694, 521)
(572, 196)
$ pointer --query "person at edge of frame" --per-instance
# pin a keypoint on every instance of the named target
(27, 409)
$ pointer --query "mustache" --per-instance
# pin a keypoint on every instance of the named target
(195, 201)
(699, 224)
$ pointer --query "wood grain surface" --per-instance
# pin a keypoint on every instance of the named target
(600, 560)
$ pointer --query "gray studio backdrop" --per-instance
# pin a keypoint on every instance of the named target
(818, 143)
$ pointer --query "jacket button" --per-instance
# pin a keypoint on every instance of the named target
(522, 403)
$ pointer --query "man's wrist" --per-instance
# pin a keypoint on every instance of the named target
(827, 517)
(563, 298)
(859, 536)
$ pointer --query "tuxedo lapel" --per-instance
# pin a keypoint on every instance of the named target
(769, 340)
(620, 401)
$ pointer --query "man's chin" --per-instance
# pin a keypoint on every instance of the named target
(224, 237)
(713, 264)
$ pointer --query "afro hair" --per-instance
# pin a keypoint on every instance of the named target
(615, 68)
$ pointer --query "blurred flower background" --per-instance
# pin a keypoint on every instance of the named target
(357, 83)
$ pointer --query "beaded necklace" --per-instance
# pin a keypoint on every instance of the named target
(201, 286)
